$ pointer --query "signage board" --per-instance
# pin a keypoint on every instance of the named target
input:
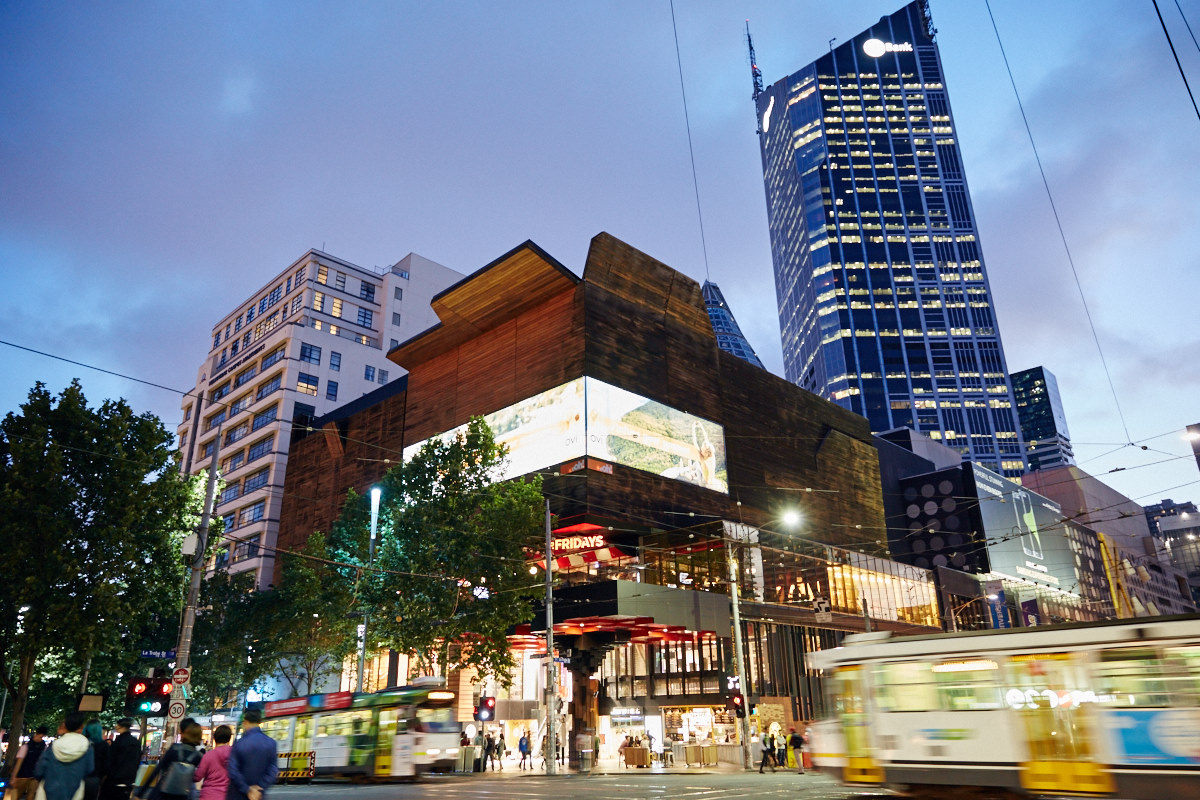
(175, 710)
(168, 654)
(822, 611)
(278, 708)
(181, 676)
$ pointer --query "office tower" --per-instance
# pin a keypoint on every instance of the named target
(1043, 421)
(884, 303)
(314, 337)
(729, 333)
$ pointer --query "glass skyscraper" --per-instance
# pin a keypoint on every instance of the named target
(729, 333)
(884, 303)
(1043, 421)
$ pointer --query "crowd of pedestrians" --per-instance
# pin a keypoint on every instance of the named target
(80, 764)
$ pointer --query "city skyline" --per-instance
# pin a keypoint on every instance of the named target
(171, 163)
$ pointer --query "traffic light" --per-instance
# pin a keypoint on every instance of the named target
(148, 697)
(486, 710)
(736, 703)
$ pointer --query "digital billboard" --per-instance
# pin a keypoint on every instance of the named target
(587, 417)
(1026, 534)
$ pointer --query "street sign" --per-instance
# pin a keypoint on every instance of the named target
(168, 654)
(176, 710)
(181, 676)
(822, 609)
(561, 660)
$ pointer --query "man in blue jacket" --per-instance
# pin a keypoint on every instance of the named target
(252, 763)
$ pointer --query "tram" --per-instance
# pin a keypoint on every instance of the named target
(398, 732)
(1109, 709)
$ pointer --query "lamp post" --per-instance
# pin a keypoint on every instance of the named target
(551, 671)
(362, 647)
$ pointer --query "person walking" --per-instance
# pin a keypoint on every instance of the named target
(252, 761)
(479, 742)
(124, 758)
(172, 777)
(501, 747)
(95, 779)
(63, 766)
(796, 740)
(781, 746)
(767, 743)
(24, 784)
(523, 748)
(214, 767)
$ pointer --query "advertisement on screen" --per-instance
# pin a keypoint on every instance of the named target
(586, 417)
(1026, 534)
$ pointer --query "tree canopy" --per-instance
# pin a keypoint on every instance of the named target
(450, 576)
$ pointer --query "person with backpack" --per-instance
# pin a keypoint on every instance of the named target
(172, 777)
(24, 784)
(63, 766)
(796, 740)
(214, 767)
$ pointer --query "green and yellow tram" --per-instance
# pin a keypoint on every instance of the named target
(398, 732)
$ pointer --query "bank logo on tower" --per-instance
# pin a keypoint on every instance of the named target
(877, 47)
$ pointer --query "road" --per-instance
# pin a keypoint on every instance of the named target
(631, 786)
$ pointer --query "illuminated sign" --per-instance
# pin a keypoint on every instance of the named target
(1026, 536)
(589, 419)
(766, 123)
(877, 47)
(565, 544)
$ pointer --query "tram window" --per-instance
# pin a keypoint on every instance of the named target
(1132, 678)
(347, 723)
(905, 686)
(971, 685)
(436, 720)
(304, 733)
(1183, 669)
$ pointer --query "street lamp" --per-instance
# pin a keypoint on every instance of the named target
(362, 644)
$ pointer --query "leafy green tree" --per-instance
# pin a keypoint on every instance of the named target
(94, 511)
(450, 575)
(232, 642)
(309, 618)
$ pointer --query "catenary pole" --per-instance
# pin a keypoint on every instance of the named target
(183, 650)
(362, 649)
(551, 667)
(739, 664)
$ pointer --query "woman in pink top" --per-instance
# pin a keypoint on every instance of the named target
(213, 767)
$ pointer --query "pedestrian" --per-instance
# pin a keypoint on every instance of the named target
(501, 747)
(95, 779)
(64, 765)
(252, 761)
(523, 748)
(781, 745)
(478, 743)
(796, 740)
(24, 784)
(172, 777)
(214, 767)
(621, 752)
(767, 743)
(124, 758)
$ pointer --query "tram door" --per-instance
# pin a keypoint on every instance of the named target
(383, 742)
(1048, 694)
(850, 698)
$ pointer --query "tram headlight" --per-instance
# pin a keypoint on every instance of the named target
(433, 751)
(451, 751)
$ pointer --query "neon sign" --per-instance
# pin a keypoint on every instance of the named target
(877, 47)
(567, 544)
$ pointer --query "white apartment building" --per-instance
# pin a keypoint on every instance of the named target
(313, 338)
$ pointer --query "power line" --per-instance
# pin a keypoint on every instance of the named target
(691, 150)
(1187, 25)
(1178, 65)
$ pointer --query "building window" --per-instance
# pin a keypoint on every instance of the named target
(216, 340)
(335, 360)
(323, 275)
(318, 301)
(233, 462)
(236, 434)
(233, 348)
(395, 344)
(331, 390)
(260, 449)
(398, 293)
(252, 513)
(265, 418)
(246, 549)
(222, 556)
(268, 387)
(369, 373)
(245, 375)
(288, 290)
(249, 315)
(395, 317)
(275, 296)
(187, 413)
(339, 280)
(302, 415)
(229, 520)
(296, 303)
(214, 421)
(367, 291)
(336, 311)
(257, 480)
(403, 273)
(219, 392)
(237, 324)
(365, 317)
(224, 358)
(209, 447)
(307, 384)
(232, 492)
(300, 275)
(383, 376)
(310, 353)
(272, 358)
(183, 440)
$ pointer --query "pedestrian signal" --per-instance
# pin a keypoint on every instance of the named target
(486, 710)
(148, 697)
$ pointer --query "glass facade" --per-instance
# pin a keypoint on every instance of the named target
(883, 299)
(729, 333)
(1043, 421)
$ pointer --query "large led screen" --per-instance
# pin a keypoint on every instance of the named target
(589, 417)
(626, 428)
(1026, 534)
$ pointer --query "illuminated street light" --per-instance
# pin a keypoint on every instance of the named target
(791, 518)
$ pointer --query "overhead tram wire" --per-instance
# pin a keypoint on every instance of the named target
(1187, 25)
(1058, 221)
(691, 151)
(1178, 65)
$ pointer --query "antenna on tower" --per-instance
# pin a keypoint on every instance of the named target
(755, 72)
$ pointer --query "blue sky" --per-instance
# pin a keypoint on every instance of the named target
(161, 160)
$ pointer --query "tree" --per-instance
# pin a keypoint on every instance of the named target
(95, 509)
(309, 621)
(232, 643)
(450, 577)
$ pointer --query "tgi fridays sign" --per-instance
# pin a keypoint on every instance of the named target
(574, 544)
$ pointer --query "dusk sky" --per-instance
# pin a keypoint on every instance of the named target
(161, 161)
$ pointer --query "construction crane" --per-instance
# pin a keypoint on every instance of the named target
(755, 72)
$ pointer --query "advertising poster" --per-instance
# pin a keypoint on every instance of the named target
(1154, 735)
(1026, 535)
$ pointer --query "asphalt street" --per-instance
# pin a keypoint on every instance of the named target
(632, 786)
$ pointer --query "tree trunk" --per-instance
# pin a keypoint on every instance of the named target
(20, 701)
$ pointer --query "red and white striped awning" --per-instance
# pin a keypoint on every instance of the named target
(585, 558)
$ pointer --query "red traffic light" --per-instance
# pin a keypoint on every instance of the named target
(139, 688)
(166, 687)
(489, 702)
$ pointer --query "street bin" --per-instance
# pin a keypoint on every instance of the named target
(585, 760)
